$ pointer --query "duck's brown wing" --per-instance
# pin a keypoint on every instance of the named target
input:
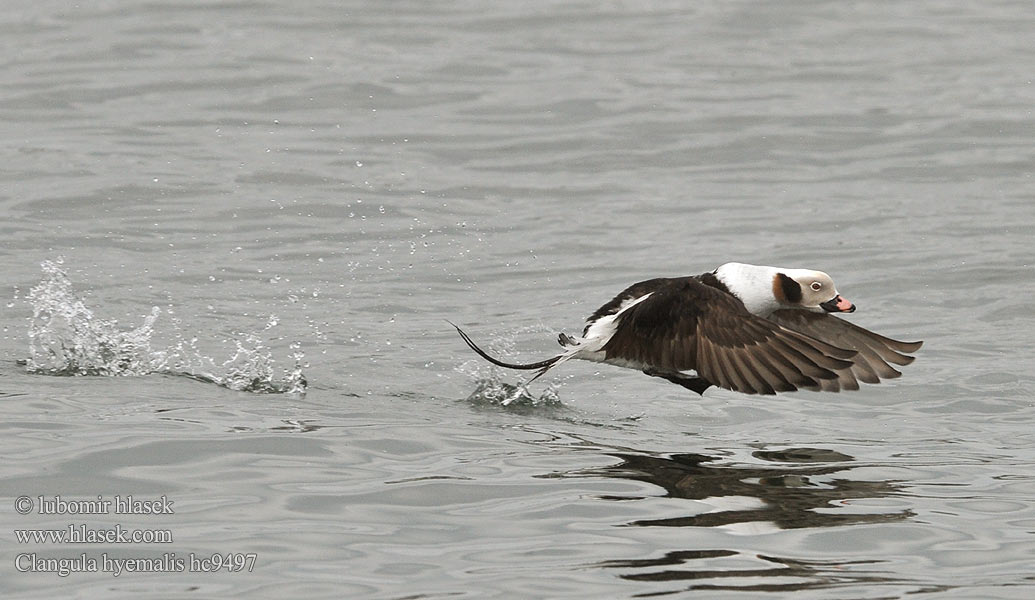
(876, 353)
(685, 324)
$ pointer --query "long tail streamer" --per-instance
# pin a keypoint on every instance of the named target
(543, 365)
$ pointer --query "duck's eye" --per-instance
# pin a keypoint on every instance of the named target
(816, 286)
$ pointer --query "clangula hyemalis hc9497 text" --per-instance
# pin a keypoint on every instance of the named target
(746, 328)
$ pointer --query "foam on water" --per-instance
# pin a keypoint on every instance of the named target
(67, 338)
(492, 391)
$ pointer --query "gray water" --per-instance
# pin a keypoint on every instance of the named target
(234, 231)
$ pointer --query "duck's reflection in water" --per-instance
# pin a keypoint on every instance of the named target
(787, 495)
(789, 489)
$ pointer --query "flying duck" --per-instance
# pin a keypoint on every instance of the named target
(747, 328)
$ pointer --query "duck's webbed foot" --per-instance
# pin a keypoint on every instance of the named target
(566, 340)
(690, 382)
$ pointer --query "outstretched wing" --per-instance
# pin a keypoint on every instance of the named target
(875, 355)
(686, 325)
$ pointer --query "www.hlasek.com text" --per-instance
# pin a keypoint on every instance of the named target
(81, 534)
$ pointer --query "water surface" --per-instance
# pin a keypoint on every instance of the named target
(285, 203)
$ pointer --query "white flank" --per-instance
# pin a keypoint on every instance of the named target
(599, 334)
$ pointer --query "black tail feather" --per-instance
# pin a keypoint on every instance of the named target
(543, 365)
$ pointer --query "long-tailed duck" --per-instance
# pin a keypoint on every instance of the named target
(746, 328)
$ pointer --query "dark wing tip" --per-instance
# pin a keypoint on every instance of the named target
(908, 346)
(876, 353)
(897, 345)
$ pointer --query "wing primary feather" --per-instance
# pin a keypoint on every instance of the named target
(860, 339)
(807, 347)
(802, 362)
(826, 347)
(726, 356)
(744, 362)
(782, 375)
(708, 365)
(777, 359)
(865, 366)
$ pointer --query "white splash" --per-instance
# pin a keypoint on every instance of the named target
(67, 338)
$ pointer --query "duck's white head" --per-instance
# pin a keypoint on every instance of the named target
(765, 289)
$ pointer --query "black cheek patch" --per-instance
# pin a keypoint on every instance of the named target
(791, 289)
